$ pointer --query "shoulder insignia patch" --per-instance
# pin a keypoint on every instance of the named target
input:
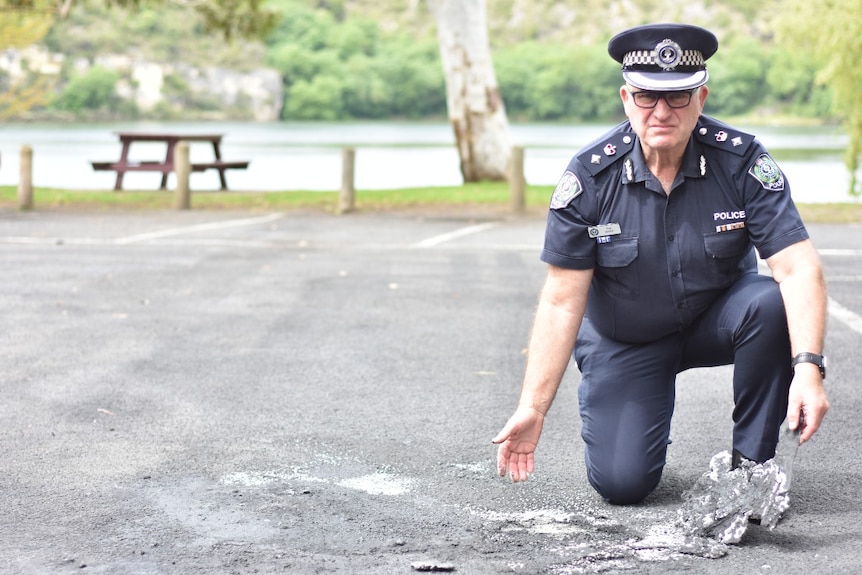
(568, 188)
(767, 172)
(724, 137)
(607, 151)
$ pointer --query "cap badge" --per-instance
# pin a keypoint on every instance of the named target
(721, 136)
(668, 54)
(610, 150)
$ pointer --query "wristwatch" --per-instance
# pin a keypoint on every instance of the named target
(807, 357)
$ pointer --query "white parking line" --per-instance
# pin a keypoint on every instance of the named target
(839, 252)
(220, 225)
(459, 233)
(849, 318)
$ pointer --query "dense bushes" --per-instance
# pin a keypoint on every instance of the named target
(335, 68)
(94, 90)
(542, 82)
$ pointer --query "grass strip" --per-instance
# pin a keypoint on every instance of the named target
(490, 197)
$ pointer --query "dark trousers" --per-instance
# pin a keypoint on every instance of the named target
(627, 390)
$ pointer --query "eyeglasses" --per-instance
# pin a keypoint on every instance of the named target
(673, 99)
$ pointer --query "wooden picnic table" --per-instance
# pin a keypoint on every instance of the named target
(166, 166)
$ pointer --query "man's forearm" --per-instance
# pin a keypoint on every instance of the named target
(803, 290)
(804, 295)
(555, 329)
(551, 345)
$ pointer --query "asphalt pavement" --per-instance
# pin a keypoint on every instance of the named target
(210, 392)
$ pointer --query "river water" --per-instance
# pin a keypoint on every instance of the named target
(307, 156)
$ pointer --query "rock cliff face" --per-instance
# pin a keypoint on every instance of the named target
(149, 84)
(256, 94)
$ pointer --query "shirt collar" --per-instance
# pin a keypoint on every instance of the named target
(693, 162)
(635, 169)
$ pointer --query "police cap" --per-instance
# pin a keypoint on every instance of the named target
(664, 57)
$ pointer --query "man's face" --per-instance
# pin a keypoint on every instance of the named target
(664, 128)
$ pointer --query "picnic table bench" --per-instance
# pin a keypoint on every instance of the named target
(166, 166)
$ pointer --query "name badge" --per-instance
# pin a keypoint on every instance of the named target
(604, 230)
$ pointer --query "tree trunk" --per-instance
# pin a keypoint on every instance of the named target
(473, 98)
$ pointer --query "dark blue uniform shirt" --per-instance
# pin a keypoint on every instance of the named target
(660, 260)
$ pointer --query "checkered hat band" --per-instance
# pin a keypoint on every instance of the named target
(639, 58)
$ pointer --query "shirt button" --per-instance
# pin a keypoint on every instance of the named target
(675, 273)
(670, 238)
(680, 306)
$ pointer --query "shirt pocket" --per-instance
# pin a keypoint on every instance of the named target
(725, 252)
(617, 267)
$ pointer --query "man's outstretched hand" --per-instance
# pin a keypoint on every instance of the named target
(807, 404)
(517, 441)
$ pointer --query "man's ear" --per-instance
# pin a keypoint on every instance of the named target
(624, 94)
(704, 92)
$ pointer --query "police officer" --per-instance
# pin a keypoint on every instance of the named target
(650, 245)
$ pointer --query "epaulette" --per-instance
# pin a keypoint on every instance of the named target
(606, 151)
(723, 137)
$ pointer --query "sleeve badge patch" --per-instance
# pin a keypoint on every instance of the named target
(568, 188)
(766, 171)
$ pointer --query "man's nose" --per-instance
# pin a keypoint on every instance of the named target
(662, 108)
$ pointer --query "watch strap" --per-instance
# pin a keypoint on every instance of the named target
(808, 357)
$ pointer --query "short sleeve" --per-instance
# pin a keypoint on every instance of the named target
(773, 222)
(571, 213)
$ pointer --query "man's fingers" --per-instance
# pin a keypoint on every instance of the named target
(520, 466)
(514, 470)
(794, 412)
(502, 461)
(503, 434)
(513, 464)
(810, 423)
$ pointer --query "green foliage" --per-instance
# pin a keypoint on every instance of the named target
(377, 59)
(791, 81)
(316, 99)
(95, 90)
(367, 72)
(163, 33)
(551, 82)
(237, 18)
(334, 69)
(747, 76)
(248, 19)
(739, 76)
(832, 33)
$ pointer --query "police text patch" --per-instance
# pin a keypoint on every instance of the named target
(568, 188)
(766, 171)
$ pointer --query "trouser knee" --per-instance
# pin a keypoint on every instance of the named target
(624, 487)
(766, 314)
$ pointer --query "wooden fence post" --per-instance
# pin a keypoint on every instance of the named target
(25, 181)
(347, 197)
(517, 182)
(183, 169)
